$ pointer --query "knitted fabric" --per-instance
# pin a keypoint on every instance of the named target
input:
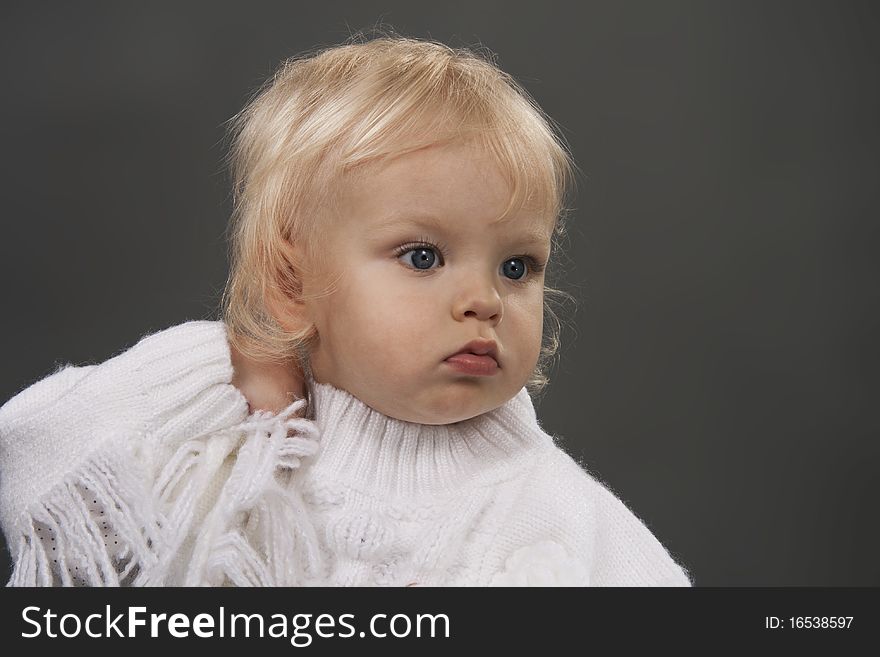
(147, 470)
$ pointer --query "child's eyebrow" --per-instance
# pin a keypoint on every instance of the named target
(530, 236)
(396, 221)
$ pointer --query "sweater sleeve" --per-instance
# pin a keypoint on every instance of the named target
(626, 552)
(568, 529)
(81, 449)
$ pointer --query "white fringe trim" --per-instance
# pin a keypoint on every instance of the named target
(108, 524)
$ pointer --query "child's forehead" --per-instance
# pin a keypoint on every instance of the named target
(393, 208)
(443, 174)
(433, 170)
(527, 227)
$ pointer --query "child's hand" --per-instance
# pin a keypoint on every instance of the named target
(266, 386)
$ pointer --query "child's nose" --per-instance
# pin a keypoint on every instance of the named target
(478, 299)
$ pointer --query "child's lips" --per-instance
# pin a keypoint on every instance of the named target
(479, 347)
(473, 364)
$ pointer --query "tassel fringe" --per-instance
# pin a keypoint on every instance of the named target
(110, 524)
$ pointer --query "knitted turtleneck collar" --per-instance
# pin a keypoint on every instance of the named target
(390, 457)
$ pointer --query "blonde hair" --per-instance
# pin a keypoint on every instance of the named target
(325, 113)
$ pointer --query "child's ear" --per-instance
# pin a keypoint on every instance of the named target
(284, 294)
(289, 311)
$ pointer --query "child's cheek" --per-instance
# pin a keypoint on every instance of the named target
(398, 330)
(393, 340)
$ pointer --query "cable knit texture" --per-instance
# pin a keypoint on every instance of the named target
(147, 470)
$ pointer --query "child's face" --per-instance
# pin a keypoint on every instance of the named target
(402, 307)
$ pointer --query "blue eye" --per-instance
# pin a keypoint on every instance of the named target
(423, 255)
(515, 267)
(422, 258)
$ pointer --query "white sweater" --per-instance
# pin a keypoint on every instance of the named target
(146, 469)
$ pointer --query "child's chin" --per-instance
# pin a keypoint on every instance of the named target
(451, 417)
(444, 403)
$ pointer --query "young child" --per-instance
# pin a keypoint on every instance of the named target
(362, 414)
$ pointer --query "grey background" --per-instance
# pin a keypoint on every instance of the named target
(722, 375)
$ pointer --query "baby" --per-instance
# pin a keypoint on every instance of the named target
(362, 413)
